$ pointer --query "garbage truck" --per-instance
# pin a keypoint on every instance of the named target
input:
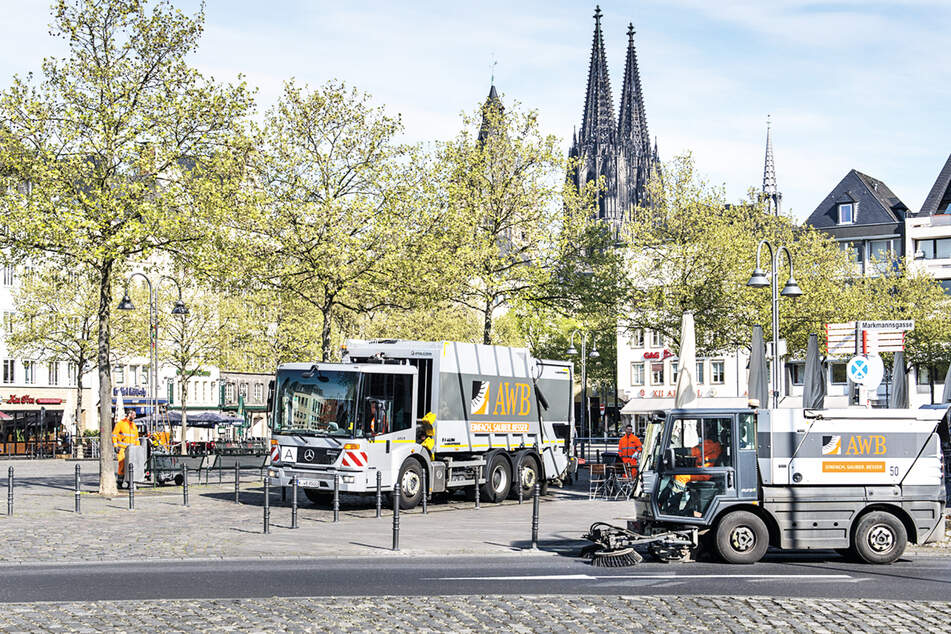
(734, 482)
(432, 416)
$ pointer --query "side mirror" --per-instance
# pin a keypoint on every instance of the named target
(670, 459)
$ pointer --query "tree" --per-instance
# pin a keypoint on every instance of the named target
(341, 221)
(55, 320)
(125, 150)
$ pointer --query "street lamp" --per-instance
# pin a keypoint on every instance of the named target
(585, 419)
(791, 289)
(178, 309)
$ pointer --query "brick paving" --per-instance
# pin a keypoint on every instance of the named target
(483, 613)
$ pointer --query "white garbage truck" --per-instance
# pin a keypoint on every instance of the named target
(862, 481)
(503, 419)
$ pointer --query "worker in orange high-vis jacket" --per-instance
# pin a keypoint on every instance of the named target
(629, 448)
(124, 434)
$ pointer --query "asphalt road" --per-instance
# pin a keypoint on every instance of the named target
(815, 575)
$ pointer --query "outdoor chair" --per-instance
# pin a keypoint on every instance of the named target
(623, 481)
(597, 480)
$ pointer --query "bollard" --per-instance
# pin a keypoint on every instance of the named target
(283, 495)
(478, 477)
(10, 491)
(535, 501)
(379, 493)
(336, 497)
(294, 502)
(185, 485)
(237, 484)
(396, 516)
(77, 490)
(267, 504)
(131, 487)
(219, 469)
(598, 457)
(521, 481)
(425, 490)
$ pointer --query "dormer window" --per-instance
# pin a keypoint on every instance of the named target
(846, 213)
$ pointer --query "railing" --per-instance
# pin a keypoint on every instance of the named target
(591, 448)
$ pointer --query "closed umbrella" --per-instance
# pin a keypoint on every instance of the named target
(814, 382)
(946, 394)
(120, 408)
(758, 386)
(899, 395)
(686, 363)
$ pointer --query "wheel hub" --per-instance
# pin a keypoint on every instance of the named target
(881, 538)
(528, 478)
(498, 479)
(742, 539)
(410, 483)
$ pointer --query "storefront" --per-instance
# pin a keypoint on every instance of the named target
(32, 423)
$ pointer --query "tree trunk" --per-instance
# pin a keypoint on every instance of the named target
(487, 323)
(77, 440)
(325, 334)
(184, 417)
(107, 475)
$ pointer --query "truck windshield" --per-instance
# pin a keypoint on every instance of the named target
(322, 404)
(651, 444)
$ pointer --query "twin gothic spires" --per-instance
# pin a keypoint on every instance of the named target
(617, 151)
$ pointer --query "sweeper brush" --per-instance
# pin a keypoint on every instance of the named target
(615, 558)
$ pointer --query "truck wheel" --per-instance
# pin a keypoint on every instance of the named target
(741, 538)
(879, 538)
(498, 479)
(530, 476)
(318, 497)
(411, 485)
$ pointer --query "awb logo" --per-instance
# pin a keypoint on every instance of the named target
(866, 446)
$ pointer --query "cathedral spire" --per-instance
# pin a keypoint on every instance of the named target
(598, 119)
(492, 112)
(632, 123)
(770, 191)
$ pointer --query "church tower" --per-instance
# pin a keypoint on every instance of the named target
(770, 194)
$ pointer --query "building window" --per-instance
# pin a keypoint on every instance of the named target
(9, 370)
(144, 375)
(839, 373)
(673, 373)
(29, 370)
(71, 374)
(243, 390)
(882, 252)
(796, 372)
(119, 374)
(923, 375)
(8, 275)
(657, 373)
(54, 372)
(637, 374)
(229, 393)
(945, 286)
(259, 389)
(699, 372)
(846, 213)
(637, 338)
(938, 249)
(717, 372)
(657, 339)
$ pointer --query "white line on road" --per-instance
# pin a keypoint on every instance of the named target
(648, 577)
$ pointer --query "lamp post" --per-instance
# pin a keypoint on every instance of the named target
(791, 289)
(585, 418)
(178, 309)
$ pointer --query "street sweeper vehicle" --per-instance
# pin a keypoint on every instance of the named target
(432, 416)
(734, 482)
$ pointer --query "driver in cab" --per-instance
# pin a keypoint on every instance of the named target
(680, 495)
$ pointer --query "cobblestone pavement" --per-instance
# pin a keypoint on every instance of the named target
(483, 613)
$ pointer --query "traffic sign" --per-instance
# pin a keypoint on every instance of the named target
(857, 369)
(874, 336)
(876, 372)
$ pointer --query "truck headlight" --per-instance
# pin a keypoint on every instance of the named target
(348, 479)
(272, 473)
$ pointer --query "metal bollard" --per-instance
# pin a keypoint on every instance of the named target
(535, 502)
(477, 487)
(396, 515)
(10, 491)
(267, 504)
(283, 495)
(294, 502)
(521, 480)
(131, 487)
(78, 484)
(237, 484)
(336, 497)
(185, 485)
(425, 486)
(219, 469)
(379, 493)
(599, 457)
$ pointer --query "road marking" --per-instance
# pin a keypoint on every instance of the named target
(648, 577)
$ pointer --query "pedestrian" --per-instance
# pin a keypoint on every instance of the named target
(124, 434)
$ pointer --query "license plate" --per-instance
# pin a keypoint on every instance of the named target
(309, 484)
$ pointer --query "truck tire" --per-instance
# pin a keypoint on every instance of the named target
(411, 481)
(879, 538)
(318, 497)
(530, 475)
(498, 479)
(741, 538)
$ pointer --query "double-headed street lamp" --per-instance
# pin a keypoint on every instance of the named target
(791, 289)
(584, 374)
(178, 309)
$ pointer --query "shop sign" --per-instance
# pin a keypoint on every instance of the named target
(666, 354)
(129, 391)
(26, 399)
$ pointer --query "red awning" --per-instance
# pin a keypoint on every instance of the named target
(5, 416)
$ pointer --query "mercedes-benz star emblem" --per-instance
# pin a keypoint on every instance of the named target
(309, 455)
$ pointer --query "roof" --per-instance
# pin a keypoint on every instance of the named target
(940, 192)
(876, 204)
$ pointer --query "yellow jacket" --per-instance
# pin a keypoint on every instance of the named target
(124, 434)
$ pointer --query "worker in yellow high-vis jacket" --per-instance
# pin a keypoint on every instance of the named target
(124, 434)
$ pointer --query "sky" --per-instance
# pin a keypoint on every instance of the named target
(848, 84)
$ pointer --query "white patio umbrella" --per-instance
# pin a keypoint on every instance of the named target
(686, 363)
(120, 408)
(946, 393)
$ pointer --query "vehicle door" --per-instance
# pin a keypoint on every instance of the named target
(697, 467)
(386, 422)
